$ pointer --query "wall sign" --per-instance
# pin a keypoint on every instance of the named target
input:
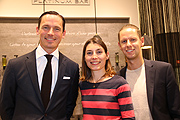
(61, 2)
(18, 37)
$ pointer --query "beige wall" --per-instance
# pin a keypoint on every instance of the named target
(105, 8)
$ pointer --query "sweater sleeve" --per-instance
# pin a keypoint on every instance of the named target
(125, 102)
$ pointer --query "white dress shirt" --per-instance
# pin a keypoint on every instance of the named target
(41, 62)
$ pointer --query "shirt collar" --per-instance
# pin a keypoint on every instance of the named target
(41, 52)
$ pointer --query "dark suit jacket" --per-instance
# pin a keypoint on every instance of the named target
(20, 97)
(162, 90)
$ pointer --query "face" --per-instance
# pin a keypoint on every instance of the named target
(50, 32)
(130, 43)
(96, 57)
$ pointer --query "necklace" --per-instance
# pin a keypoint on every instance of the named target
(98, 80)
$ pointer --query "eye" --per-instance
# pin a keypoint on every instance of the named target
(133, 39)
(45, 27)
(99, 52)
(89, 53)
(124, 41)
(58, 29)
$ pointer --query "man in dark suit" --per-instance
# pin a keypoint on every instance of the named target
(155, 92)
(21, 93)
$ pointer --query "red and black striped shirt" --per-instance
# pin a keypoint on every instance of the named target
(108, 100)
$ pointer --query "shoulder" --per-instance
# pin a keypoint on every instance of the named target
(118, 77)
(84, 85)
(118, 80)
(120, 84)
(22, 58)
(81, 83)
(67, 60)
(156, 64)
(159, 67)
(122, 72)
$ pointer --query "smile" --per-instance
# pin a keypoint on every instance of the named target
(129, 50)
(95, 63)
(49, 39)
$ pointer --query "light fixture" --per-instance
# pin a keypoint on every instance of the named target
(95, 16)
(44, 5)
(147, 42)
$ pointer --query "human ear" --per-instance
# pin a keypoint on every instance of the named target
(119, 46)
(142, 41)
(63, 34)
(37, 30)
(107, 55)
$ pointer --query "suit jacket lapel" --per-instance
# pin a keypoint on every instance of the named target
(31, 67)
(150, 77)
(62, 67)
(122, 72)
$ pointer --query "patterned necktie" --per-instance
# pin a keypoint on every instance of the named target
(46, 82)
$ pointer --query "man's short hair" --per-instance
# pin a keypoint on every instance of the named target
(130, 26)
(52, 13)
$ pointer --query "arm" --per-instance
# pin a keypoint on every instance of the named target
(73, 93)
(125, 102)
(8, 91)
(173, 94)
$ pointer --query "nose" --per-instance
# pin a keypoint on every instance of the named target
(128, 43)
(94, 56)
(51, 32)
